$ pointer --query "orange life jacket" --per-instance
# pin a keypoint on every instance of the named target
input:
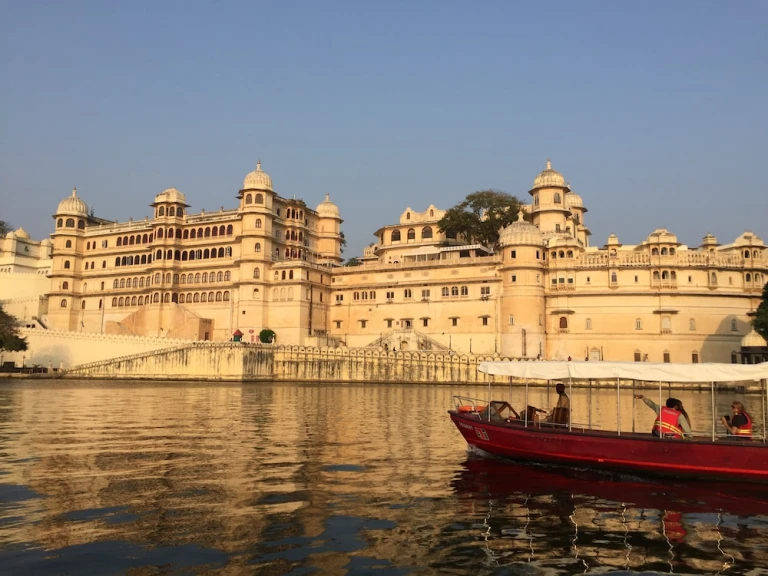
(666, 424)
(746, 429)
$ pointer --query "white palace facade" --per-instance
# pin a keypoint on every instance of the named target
(273, 262)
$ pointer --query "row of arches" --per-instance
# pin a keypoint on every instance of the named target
(172, 211)
(257, 199)
(561, 254)
(426, 234)
(156, 298)
(195, 297)
(199, 254)
(133, 260)
(664, 251)
(70, 223)
(194, 233)
(131, 240)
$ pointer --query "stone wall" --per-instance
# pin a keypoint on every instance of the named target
(249, 362)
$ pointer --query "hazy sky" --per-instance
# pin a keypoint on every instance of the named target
(655, 111)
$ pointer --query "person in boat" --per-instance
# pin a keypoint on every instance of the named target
(672, 420)
(740, 424)
(562, 410)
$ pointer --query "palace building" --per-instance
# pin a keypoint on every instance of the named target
(273, 262)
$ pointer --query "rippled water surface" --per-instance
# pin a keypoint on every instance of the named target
(144, 478)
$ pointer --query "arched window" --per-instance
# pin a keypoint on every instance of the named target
(69, 244)
(122, 283)
(226, 296)
(229, 230)
(215, 231)
(563, 323)
(59, 223)
(656, 275)
(665, 275)
(664, 251)
(257, 248)
(734, 326)
(65, 285)
(396, 236)
(638, 324)
(256, 273)
(171, 211)
(692, 324)
(156, 297)
(133, 301)
(160, 232)
(205, 277)
(64, 303)
(259, 199)
(218, 296)
(81, 224)
(588, 324)
(141, 282)
(290, 275)
(100, 304)
(203, 297)
(161, 211)
(181, 298)
(178, 233)
(82, 305)
(673, 275)
(426, 233)
(66, 264)
(557, 198)
(570, 254)
(454, 290)
(195, 298)
(114, 302)
(248, 199)
(116, 283)
(748, 278)
(70, 222)
(654, 251)
(227, 276)
(208, 232)
(411, 234)
(671, 251)
(713, 278)
(561, 254)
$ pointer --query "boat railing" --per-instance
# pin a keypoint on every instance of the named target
(465, 404)
(707, 435)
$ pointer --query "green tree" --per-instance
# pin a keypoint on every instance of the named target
(9, 333)
(761, 318)
(267, 336)
(352, 262)
(480, 216)
(5, 227)
(342, 242)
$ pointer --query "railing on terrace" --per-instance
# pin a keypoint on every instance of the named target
(683, 260)
(374, 266)
(212, 216)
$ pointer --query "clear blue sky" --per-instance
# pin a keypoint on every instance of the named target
(655, 111)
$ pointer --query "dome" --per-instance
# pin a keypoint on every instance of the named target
(549, 178)
(171, 195)
(520, 232)
(753, 340)
(258, 180)
(573, 200)
(21, 233)
(73, 205)
(327, 209)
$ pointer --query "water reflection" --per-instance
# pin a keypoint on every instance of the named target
(105, 478)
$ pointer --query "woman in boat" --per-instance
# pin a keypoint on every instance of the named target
(672, 420)
(561, 412)
(740, 425)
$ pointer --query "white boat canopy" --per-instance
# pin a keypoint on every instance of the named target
(641, 371)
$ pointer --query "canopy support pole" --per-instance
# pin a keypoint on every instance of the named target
(764, 388)
(714, 410)
(618, 406)
(633, 406)
(658, 416)
(526, 403)
(589, 405)
(570, 395)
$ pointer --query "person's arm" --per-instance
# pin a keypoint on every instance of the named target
(648, 402)
(737, 422)
(682, 421)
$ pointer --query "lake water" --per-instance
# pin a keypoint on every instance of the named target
(146, 478)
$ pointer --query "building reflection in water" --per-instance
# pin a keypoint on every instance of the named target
(337, 478)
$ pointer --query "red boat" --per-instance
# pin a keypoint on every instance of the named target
(495, 427)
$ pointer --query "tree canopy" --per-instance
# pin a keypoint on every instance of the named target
(9, 333)
(480, 216)
(352, 262)
(761, 318)
(5, 227)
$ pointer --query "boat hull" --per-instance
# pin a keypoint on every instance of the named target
(744, 461)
